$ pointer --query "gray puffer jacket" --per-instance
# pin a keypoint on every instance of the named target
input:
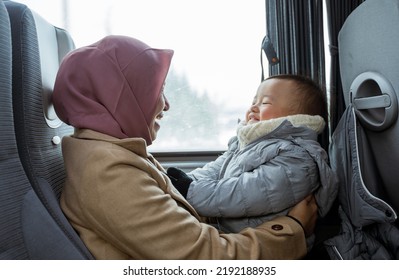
(268, 168)
(368, 228)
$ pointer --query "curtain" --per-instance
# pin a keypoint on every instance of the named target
(295, 29)
(337, 12)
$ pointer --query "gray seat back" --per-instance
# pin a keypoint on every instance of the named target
(37, 49)
(12, 190)
(364, 149)
(369, 64)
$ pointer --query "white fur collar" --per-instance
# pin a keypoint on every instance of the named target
(248, 133)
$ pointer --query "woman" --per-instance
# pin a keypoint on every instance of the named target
(116, 195)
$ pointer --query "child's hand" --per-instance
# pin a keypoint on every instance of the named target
(179, 179)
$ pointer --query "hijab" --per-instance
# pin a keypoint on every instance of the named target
(112, 86)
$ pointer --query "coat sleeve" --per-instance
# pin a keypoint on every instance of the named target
(212, 169)
(271, 187)
(136, 211)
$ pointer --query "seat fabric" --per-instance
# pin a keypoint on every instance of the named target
(37, 50)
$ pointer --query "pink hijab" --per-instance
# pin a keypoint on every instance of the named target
(112, 86)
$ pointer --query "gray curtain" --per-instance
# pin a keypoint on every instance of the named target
(296, 31)
(337, 12)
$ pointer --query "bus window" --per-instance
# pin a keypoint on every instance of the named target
(216, 67)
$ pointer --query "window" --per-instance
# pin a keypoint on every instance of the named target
(215, 70)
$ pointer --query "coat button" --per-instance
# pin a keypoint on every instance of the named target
(277, 227)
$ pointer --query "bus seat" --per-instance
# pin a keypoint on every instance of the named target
(12, 191)
(37, 49)
(365, 145)
(369, 59)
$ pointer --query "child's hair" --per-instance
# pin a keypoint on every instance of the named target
(310, 100)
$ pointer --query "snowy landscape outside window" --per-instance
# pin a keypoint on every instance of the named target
(215, 70)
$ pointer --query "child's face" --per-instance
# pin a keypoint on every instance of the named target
(273, 100)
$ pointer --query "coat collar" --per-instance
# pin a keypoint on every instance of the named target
(136, 145)
(248, 133)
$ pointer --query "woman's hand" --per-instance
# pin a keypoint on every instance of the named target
(306, 213)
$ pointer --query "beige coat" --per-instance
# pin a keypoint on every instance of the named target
(119, 199)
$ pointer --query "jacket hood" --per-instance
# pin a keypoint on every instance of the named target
(112, 86)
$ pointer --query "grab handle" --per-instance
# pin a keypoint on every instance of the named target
(374, 100)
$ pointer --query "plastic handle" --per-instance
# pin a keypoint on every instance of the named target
(374, 100)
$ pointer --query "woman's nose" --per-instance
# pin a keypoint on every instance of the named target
(167, 106)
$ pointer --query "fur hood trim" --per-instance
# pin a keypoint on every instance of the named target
(249, 133)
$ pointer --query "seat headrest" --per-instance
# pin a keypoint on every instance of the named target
(53, 43)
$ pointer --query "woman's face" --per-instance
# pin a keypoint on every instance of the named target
(162, 105)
